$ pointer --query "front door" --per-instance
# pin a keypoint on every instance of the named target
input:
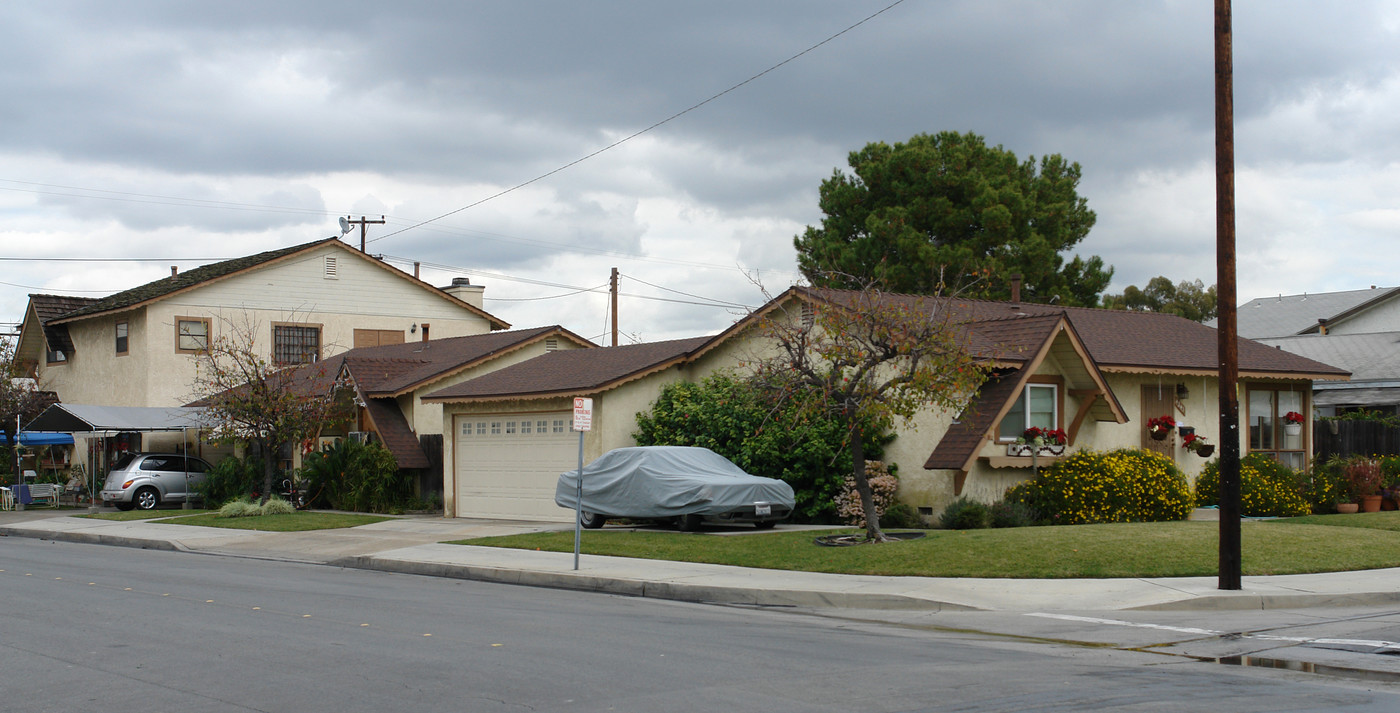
(1158, 400)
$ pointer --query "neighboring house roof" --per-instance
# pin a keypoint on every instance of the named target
(47, 308)
(1369, 357)
(576, 372)
(205, 274)
(1287, 315)
(396, 369)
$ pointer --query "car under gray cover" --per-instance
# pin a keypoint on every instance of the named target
(673, 483)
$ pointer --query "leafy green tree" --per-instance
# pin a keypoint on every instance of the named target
(731, 416)
(20, 400)
(950, 204)
(1192, 300)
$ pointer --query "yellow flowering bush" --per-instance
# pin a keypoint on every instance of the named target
(1124, 485)
(1268, 488)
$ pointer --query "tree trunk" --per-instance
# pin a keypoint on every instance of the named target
(268, 469)
(867, 499)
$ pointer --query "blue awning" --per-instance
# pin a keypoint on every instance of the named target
(40, 438)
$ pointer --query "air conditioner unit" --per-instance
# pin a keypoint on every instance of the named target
(359, 436)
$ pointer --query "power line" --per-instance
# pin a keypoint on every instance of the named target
(634, 135)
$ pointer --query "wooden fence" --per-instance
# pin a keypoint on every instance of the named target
(1346, 438)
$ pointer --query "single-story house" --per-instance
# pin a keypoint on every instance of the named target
(1097, 374)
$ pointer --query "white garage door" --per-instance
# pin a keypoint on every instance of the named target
(507, 464)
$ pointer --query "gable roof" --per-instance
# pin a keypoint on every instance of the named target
(47, 308)
(213, 272)
(396, 369)
(1369, 357)
(576, 372)
(1287, 315)
(1124, 341)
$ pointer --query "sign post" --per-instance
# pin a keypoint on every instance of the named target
(583, 422)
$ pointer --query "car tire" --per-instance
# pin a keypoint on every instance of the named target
(591, 520)
(765, 524)
(688, 523)
(146, 498)
(124, 506)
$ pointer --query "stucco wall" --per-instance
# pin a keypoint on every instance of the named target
(1384, 317)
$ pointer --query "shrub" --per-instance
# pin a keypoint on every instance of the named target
(732, 418)
(1324, 485)
(964, 514)
(354, 476)
(883, 485)
(229, 479)
(242, 507)
(1004, 513)
(1124, 485)
(277, 506)
(1268, 488)
(902, 515)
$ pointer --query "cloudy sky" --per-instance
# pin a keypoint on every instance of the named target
(177, 133)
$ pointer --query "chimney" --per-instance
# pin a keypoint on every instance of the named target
(463, 289)
(416, 265)
(174, 270)
(1016, 290)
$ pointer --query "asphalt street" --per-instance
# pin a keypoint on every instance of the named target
(120, 629)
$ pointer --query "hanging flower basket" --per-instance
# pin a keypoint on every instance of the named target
(1197, 444)
(1292, 423)
(1161, 427)
(1047, 441)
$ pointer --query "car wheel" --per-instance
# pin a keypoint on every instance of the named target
(688, 523)
(765, 524)
(123, 506)
(591, 520)
(146, 498)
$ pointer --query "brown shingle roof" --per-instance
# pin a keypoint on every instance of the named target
(213, 271)
(50, 307)
(573, 372)
(395, 433)
(964, 437)
(392, 369)
(1125, 341)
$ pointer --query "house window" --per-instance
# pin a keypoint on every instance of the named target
(1267, 431)
(296, 343)
(122, 338)
(191, 335)
(1038, 405)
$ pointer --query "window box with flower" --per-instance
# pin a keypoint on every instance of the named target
(1036, 440)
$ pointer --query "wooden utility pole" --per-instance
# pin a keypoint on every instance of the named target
(613, 290)
(362, 222)
(1227, 326)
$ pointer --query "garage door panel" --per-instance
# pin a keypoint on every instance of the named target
(507, 464)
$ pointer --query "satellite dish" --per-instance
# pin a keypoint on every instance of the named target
(344, 225)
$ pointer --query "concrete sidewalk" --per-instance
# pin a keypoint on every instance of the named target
(411, 545)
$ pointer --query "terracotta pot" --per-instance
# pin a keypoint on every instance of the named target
(1389, 504)
(1346, 508)
(1370, 503)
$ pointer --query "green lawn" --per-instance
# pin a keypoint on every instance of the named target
(1325, 543)
(293, 522)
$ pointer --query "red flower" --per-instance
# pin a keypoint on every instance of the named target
(1293, 417)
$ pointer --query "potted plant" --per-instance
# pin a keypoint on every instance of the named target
(1198, 445)
(1292, 423)
(1363, 477)
(1160, 427)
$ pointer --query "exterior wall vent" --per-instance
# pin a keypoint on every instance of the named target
(332, 269)
(551, 344)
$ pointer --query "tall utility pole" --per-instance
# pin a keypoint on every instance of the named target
(362, 222)
(612, 282)
(1228, 346)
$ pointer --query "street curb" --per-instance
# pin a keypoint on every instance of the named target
(674, 591)
(89, 538)
(1248, 601)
